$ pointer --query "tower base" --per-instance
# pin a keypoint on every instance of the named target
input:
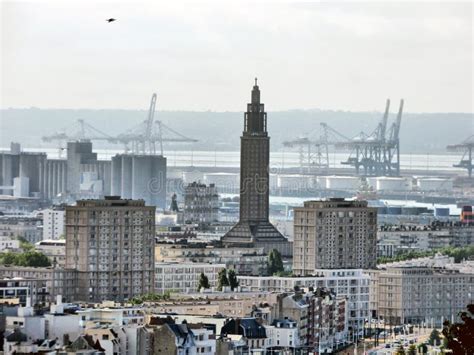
(258, 235)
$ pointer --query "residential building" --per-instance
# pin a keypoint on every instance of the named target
(245, 261)
(26, 227)
(237, 303)
(320, 316)
(248, 330)
(184, 277)
(201, 204)
(428, 290)
(110, 244)
(9, 244)
(54, 249)
(45, 282)
(352, 284)
(53, 223)
(334, 234)
(393, 240)
(163, 335)
(282, 334)
(15, 291)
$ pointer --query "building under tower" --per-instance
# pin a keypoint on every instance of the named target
(254, 229)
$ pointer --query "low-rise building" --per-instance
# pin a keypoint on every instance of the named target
(352, 284)
(249, 331)
(228, 303)
(184, 277)
(47, 282)
(26, 227)
(398, 239)
(245, 261)
(427, 290)
(9, 244)
(282, 334)
(54, 249)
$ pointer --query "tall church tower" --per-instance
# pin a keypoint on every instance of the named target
(254, 228)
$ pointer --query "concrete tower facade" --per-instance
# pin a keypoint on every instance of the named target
(110, 243)
(254, 227)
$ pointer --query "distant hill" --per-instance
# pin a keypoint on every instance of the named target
(420, 133)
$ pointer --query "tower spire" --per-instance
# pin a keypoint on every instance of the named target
(256, 82)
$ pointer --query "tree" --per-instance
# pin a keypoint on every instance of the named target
(233, 282)
(29, 258)
(400, 350)
(412, 350)
(33, 258)
(8, 258)
(434, 338)
(222, 280)
(459, 337)
(203, 282)
(274, 263)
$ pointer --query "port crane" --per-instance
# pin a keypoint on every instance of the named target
(467, 147)
(377, 153)
(141, 139)
(314, 151)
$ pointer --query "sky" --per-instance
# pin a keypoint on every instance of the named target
(197, 55)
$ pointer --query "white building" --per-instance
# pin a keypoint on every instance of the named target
(429, 290)
(54, 249)
(282, 333)
(53, 223)
(7, 243)
(204, 339)
(350, 283)
(184, 277)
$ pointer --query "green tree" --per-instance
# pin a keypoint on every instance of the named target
(222, 280)
(33, 258)
(29, 258)
(434, 338)
(274, 263)
(459, 337)
(233, 282)
(412, 350)
(400, 350)
(203, 282)
(9, 258)
(25, 245)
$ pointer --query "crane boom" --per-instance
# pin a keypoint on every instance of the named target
(383, 126)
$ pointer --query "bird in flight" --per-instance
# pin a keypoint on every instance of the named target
(110, 20)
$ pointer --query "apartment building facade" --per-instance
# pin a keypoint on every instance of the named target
(184, 277)
(414, 292)
(53, 223)
(353, 284)
(201, 203)
(110, 243)
(334, 234)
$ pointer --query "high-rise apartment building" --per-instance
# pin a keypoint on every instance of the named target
(334, 234)
(53, 223)
(254, 227)
(110, 243)
(201, 203)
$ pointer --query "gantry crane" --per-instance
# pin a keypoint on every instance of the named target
(141, 139)
(467, 146)
(376, 154)
(314, 152)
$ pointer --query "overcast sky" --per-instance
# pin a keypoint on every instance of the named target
(200, 56)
